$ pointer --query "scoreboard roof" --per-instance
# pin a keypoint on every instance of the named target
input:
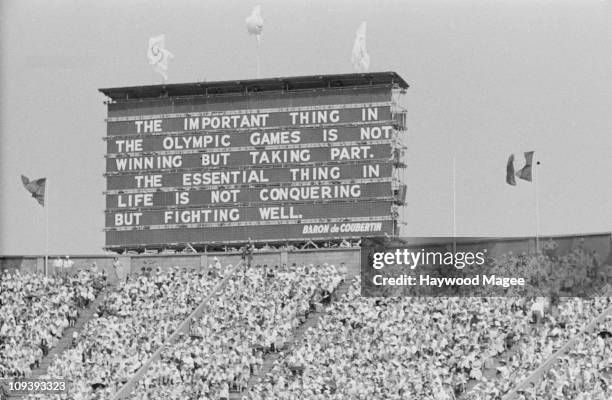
(255, 86)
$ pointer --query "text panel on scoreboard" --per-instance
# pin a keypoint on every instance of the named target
(292, 136)
(216, 214)
(252, 176)
(247, 120)
(227, 234)
(251, 157)
(270, 194)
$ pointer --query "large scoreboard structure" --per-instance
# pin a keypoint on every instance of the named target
(279, 160)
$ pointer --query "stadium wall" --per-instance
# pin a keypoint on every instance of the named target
(336, 256)
(600, 242)
(136, 263)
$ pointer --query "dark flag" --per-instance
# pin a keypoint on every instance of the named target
(525, 172)
(36, 188)
(510, 171)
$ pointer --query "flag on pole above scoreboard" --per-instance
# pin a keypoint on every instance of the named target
(254, 23)
(158, 55)
(360, 57)
(36, 188)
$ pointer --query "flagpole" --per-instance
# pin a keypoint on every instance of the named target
(258, 46)
(46, 226)
(537, 205)
(454, 208)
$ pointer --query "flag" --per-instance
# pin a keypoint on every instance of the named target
(254, 23)
(36, 188)
(158, 56)
(525, 172)
(360, 57)
(510, 171)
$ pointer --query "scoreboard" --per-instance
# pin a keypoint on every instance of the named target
(274, 160)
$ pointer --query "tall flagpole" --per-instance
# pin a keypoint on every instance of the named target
(537, 206)
(258, 46)
(46, 226)
(454, 208)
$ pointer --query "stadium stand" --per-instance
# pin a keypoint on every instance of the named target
(301, 332)
(584, 373)
(36, 311)
(131, 323)
(427, 348)
(257, 313)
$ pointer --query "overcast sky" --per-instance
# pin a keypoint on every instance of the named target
(488, 78)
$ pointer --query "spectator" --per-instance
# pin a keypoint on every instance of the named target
(67, 264)
(57, 265)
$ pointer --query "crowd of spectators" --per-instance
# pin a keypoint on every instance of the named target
(432, 348)
(579, 273)
(129, 326)
(256, 314)
(559, 323)
(584, 373)
(34, 312)
(574, 274)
